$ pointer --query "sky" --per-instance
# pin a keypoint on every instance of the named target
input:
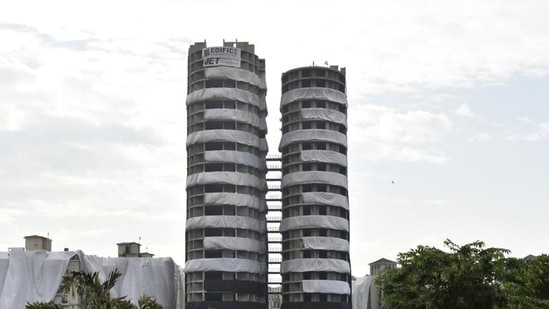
(447, 99)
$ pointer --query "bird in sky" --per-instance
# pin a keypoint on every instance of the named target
(393, 181)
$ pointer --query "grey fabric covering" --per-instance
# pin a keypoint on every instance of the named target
(315, 221)
(304, 265)
(313, 93)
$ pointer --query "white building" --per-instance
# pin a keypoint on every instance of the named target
(35, 275)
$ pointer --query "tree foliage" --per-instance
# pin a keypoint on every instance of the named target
(468, 276)
(95, 294)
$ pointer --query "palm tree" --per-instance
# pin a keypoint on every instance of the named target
(95, 294)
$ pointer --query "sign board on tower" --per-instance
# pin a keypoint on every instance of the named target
(221, 56)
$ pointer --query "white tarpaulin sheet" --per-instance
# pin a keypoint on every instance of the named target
(234, 243)
(232, 114)
(234, 136)
(326, 198)
(326, 287)
(361, 292)
(325, 156)
(304, 265)
(324, 114)
(263, 146)
(225, 264)
(263, 103)
(262, 80)
(236, 199)
(325, 243)
(312, 136)
(263, 124)
(223, 94)
(142, 276)
(313, 93)
(235, 222)
(31, 276)
(298, 178)
(238, 179)
(244, 158)
(316, 221)
(234, 74)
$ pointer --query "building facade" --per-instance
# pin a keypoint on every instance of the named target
(315, 268)
(226, 235)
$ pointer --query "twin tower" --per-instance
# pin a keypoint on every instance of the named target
(227, 239)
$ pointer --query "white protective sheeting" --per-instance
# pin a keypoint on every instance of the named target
(312, 136)
(224, 94)
(234, 136)
(262, 103)
(324, 114)
(326, 198)
(313, 93)
(263, 124)
(325, 156)
(262, 206)
(244, 158)
(31, 276)
(263, 146)
(155, 277)
(304, 265)
(225, 264)
(326, 286)
(262, 80)
(316, 221)
(232, 114)
(234, 243)
(361, 292)
(235, 199)
(35, 276)
(238, 179)
(235, 222)
(234, 74)
(325, 243)
(299, 178)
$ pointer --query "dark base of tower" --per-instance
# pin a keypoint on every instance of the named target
(316, 305)
(225, 305)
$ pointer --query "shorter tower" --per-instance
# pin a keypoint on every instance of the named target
(316, 271)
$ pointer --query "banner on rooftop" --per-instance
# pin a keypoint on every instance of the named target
(221, 56)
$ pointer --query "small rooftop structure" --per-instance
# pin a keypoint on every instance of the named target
(379, 266)
(129, 249)
(36, 242)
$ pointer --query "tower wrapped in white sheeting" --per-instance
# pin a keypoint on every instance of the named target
(315, 208)
(226, 234)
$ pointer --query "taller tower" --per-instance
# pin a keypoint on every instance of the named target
(226, 243)
(316, 271)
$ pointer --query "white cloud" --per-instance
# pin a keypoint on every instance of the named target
(383, 133)
(480, 137)
(541, 132)
(465, 111)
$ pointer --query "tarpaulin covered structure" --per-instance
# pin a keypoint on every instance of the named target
(35, 276)
(316, 270)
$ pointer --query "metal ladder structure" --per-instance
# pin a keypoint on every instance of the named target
(274, 215)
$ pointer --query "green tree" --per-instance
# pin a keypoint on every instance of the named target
(468, 276)
(96, 294)
(526, 282)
